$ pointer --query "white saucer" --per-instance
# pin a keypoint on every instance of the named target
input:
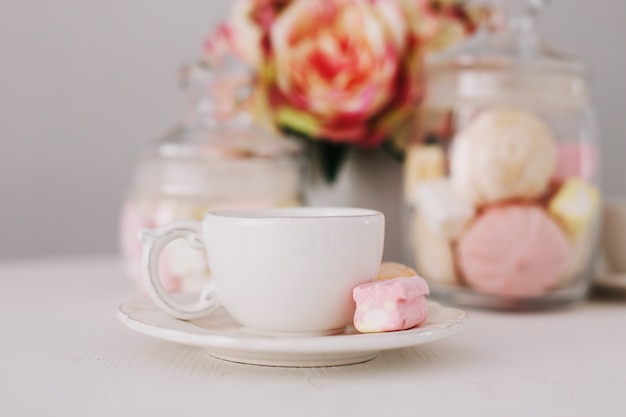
(223, 338)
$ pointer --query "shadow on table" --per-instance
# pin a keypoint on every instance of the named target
(608, 296)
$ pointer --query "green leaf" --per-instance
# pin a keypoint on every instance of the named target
(331, 158)
(296, 120)
(325, 155)
(394, 151)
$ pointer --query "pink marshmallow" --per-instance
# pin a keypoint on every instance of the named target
(576, 161)
(515, 251)
(389, 305)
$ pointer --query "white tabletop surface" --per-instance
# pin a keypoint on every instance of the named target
(65, 353)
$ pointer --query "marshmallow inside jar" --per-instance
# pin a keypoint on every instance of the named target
(515, 233)
(503, 154)
(517, 200)
(504, 162)
(513, 251)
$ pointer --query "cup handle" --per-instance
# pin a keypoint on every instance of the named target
(153, 242)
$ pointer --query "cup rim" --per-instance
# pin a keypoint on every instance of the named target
(296, 213)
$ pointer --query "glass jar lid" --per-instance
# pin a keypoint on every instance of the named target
(508, 58)
(217, 123)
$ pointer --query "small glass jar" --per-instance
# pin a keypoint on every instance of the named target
(502, 180)
(214, 159)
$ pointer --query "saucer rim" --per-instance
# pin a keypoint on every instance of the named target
(189, 333)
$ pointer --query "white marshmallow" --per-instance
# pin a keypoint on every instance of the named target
(423, 162)
(441, 208)
(433, 255)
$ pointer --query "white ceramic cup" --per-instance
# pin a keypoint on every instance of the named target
(614, 233)
(276, 270)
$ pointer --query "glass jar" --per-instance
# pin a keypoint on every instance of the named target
(214, 159)
(501, 181)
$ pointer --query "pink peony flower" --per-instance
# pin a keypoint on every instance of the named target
(250, 22)
(345, 71)
(338, 69)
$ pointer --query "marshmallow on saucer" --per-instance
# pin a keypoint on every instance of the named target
(422, 162)
(575, 205)
(441, 208)
(390, 270)
(503, 154)
(390, 305)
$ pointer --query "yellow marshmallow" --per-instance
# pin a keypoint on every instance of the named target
(575, 205)
(390, 270)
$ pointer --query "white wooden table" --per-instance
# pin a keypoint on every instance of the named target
(64, 353)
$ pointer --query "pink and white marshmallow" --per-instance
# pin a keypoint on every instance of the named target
(390, 305)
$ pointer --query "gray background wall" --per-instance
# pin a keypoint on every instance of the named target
(84, 83)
